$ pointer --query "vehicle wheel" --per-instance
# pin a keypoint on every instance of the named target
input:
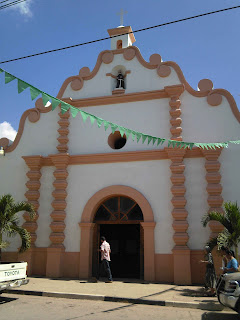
(237, 308)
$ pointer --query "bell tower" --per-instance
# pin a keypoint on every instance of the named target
(121, 37)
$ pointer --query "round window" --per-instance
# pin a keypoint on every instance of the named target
(116, 141)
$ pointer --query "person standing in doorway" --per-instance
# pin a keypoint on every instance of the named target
(105, 259)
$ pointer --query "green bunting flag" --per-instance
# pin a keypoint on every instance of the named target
(45, 99)
(22, 86)
(55, 103)
(9, 77)
(35, 92)
(74, 111)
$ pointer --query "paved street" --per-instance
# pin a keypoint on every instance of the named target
(17, 307)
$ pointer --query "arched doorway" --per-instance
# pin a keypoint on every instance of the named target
(118, 219)
(88, 227)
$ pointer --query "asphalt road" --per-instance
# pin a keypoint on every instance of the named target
(18, 307)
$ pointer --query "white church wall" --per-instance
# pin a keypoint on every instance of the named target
(39, 137)
(230, 172)
(12, 181)
(204, 123)
(196, 196)
(151, 117)
(140, 79)
(45, 208)
(151, 178)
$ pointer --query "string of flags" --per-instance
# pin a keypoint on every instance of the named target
(135, 135)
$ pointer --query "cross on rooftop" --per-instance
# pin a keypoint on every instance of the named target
(121, 13)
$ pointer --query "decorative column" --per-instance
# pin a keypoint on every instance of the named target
(85, 263)
(56, 249)
(214, 187)
(34, 163)
(63, 132)
(149, 250)
(181, 252)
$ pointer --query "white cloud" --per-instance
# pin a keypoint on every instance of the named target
(7, 131)
(24, 8)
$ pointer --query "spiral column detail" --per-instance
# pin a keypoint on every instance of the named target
(63, 132)
(32, 195)
(58, 214)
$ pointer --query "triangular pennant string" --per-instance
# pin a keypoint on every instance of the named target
(45, 98)
(99, 122)
(138, 135)
(121, 130)
(154, 139)
(9, 77)
(144, 137)
(22, 86)
(127, 132)
(149, 139)
(92, 119)
(74, 111)
(84, 115)
(55, 103)
(113, 127)
(133, 135)
(34, 93)
(106, 124)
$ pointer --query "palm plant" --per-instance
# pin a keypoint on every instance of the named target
(9, 221)
(230, 219)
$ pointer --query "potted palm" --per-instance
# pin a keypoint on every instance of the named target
(230, 219)
(9, 222)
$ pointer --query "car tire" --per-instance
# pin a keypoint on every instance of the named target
(237, 308)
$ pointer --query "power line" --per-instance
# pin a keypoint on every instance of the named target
(139, 30)
(4, 1)
(11, 4)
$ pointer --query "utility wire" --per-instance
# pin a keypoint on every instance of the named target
(4, 1)
(11, 4)
(139, 30)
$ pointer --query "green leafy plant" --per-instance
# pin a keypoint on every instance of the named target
(230, 219)
(9, 222)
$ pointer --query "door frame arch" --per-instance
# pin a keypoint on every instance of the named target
(87, 225)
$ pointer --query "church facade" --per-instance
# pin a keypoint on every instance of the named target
(147, 200)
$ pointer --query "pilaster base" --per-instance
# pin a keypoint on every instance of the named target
(182, 266)
(54, 262)
(27, 256)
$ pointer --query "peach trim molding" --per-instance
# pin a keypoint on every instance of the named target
(34, 163)
(63, 132)
(127, 156)
(214, 187)
(59, 204)
(87, 225)
(163, 69)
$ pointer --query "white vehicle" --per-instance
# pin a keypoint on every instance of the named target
(228, 290)
(12, 275)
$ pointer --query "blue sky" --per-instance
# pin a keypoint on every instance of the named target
(206, 47)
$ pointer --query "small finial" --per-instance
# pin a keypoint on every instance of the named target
(121, 13)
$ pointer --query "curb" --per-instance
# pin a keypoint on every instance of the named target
(162, 303)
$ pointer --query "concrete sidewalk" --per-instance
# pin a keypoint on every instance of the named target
(129, 291)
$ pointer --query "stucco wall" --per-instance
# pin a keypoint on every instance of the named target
(45, 208)
(12, 180)
(146, 116)
(196, 206)
(151, 178)
(140, 79)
